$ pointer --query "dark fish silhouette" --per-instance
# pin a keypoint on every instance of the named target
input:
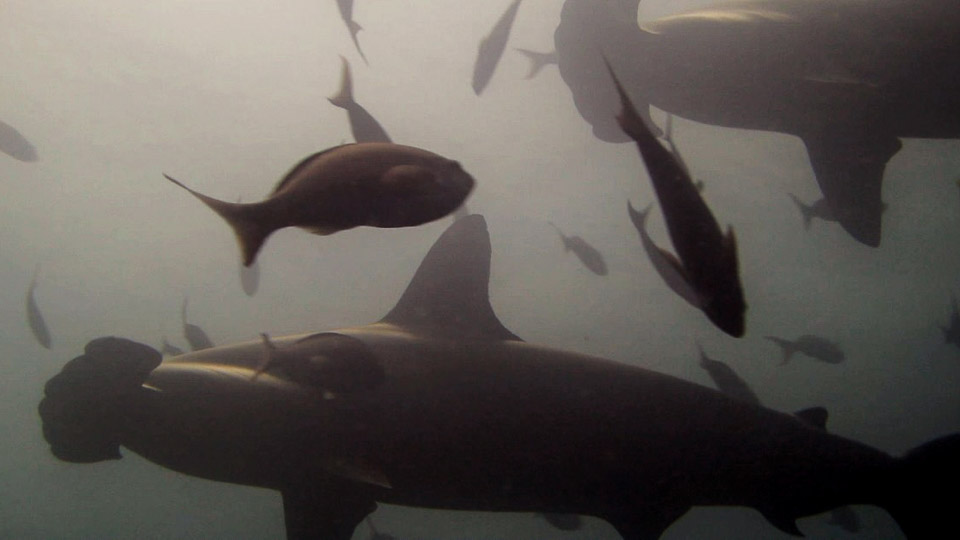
(491, 48)
(538, 60)
(664, 262)
(372, 184)
(194, 335)
(564, 522)
(561, 431)
(15, 145)
(346, 13)
(727, 380)
(166, 349)
(588, 255)
(365, 127)
(707, 256)
(951, 332)
(813, 346)
(37, 325)
(848, 77)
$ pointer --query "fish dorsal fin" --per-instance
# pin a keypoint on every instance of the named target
(449, 295)
(814, 416)
(300, 166)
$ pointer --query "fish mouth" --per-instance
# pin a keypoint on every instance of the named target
(84, 404)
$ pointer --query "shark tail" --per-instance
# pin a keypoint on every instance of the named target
(344, 97)
(251, 233)
(805, 210)
(921, 510)
(785, 345)
(538, 60)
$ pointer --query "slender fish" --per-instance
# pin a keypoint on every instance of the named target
(37, 325)
(491, 48)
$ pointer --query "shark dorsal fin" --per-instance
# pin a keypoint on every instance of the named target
(449, 295)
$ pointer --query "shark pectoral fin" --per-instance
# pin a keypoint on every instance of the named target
(814, 416)
(849, 165)
(330, 513)
(358, 470)
(787, 524)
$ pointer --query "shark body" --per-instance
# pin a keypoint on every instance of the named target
(466, 415)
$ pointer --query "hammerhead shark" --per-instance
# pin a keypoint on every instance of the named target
(463, 414)
(848, 77)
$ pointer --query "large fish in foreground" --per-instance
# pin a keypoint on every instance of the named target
(372, 184)
(491, 48)
(707, 257)
(848, 77)
(363, 125)
(468, 416)
(34, 318)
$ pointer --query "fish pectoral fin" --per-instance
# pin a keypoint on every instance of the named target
(675, 264)
(328, 512)
(358, 470)
(408, 178)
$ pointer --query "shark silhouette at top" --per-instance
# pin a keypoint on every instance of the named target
(439, 405)
(849, 77)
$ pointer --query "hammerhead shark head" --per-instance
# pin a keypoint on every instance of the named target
(463, 414)
(848, 77)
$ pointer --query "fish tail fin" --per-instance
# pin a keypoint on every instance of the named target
(785, 345)
(538, 61)
(344, 97)
(805, 210)
(250, 233)
(914, 500)
(563, 238)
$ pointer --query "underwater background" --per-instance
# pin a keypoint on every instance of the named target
(227, 95)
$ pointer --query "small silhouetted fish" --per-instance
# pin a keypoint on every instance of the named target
(194, 335)
(664, 262)
(564, 522)
(376, 534)
(34, 318)
(813, 346)
(364, 126)
(708, 257)
(332, 362)
(346, 13)
(16, 145)
(538, 61)
(727, 380)
(167, 349)
(491, 48)
(587, 254)
(373, 184)
(951, 332)
(845, 518)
